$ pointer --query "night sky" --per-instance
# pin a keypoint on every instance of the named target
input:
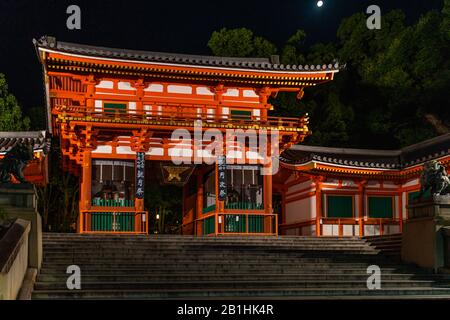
(164, 25)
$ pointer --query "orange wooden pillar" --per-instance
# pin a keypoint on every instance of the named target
(400, 211)
(318, 182)
(90, 83)
(199, 211)
(283, 207)
(361, 204)
(140, 86)
(85, 189)
(216, 218)
(268, 205)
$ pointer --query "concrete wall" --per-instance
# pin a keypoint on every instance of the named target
(11, 278)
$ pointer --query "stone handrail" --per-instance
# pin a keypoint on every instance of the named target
(14, 258)
(11, 243)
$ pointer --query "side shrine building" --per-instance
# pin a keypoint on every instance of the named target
(353, 192)
(125, 117)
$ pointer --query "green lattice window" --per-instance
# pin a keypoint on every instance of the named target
(241, 114)
(235, 223)
(339, 206)
(108, 221)
(381, 207)
(255, 224)
(113, 107)
(209, 225)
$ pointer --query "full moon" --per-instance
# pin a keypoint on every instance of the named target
(319, 3)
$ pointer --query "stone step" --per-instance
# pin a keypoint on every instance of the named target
(229, 269)
(188, 251)
(161, 276)
(206, 251)
(223, 246)
(214, 260)
(381, 261)
(332, 256)
(266, 293)
(146, 242)
(183, 267)
(236, 284)
(223, 269)
(383, 237)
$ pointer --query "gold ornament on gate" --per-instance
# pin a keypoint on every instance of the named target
(175, 172)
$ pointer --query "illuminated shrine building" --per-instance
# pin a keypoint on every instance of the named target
(352, 192)
(115, 112)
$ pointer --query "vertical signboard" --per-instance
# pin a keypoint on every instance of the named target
(222, 177)
(140, 175)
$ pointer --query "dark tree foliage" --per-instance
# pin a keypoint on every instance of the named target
(240, 43)
(393, 91)
(11, 118)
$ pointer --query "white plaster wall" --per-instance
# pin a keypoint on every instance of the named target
(250, 94)
(351, 230)
(301, 210)
(155, 88)
(372, 184)
(132, 107)
(204, 91)
(231, 93)
(348, 183)
(104, 84)
(103, 149)
(389, 184)
(371, 230)
(411, 183)
(125, 86)
(124, 150)
(179, 89)
(155, 152)
(98, 105)
(300, 186)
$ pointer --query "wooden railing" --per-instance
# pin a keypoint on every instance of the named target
(244, 206)
(116, 221)
(112, 203)
(237, 224)
(340, 223)
(171, 115)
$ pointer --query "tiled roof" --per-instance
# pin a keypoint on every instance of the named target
(38, 139)
(370, 159)
(182, 59)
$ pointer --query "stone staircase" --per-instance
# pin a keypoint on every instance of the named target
(187, 267)
(388, 245)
